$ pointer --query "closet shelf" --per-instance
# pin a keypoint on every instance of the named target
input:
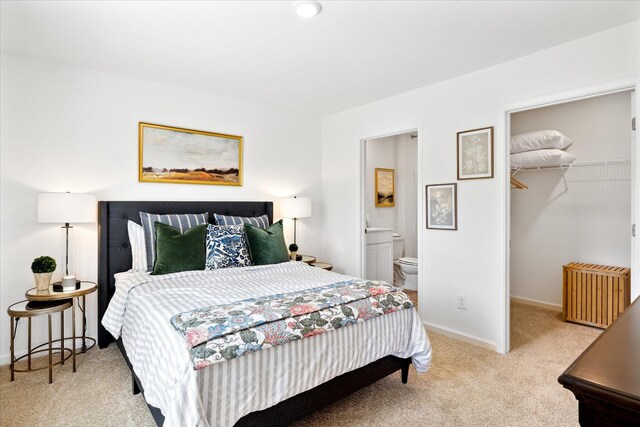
(516, 169)
(563, 168)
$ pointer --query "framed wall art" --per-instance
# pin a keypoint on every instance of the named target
(442, 207)
(475, 153)
(187, 156)
(385, 188)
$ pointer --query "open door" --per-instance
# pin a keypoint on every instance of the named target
(635, 201)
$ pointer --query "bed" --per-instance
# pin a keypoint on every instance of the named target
(272, 387)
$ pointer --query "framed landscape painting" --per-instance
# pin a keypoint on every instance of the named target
(187, 156)
(385, 188)
(475, 153)
(442, 209)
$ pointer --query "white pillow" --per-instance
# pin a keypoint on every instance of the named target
(138, 249)
(539, 140)
(542, 158)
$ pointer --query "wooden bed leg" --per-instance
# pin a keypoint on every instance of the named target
(136, 389)
(405, 371)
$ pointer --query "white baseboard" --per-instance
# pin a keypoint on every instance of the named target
(461, 336)
(536, 303)
(5, 358)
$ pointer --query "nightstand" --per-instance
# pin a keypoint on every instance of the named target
(308, 259)
(323, 265)
(31, 309)
(311, 260)
(83, 290)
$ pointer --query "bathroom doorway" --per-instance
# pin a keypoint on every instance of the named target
(391, 210)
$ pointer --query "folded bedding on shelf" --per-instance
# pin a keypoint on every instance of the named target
(539, 140)
(541, 158)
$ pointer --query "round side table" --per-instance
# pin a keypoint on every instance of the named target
(323, 265)
(30, 309)
(308, 259)
(83, 290)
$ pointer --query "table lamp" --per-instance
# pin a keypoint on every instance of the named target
(295, 208)
(67, 208)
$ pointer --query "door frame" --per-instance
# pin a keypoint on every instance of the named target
(420, 221)
(503, 136)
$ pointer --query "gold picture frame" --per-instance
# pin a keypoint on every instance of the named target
(168, 154)
(385, 195)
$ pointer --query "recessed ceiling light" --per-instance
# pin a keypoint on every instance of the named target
(307, 8)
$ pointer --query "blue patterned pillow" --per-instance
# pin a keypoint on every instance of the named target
(259, 221)
(227, 247)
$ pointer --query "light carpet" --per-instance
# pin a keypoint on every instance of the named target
(466, 386)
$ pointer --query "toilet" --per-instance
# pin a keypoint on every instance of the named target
(405, 269)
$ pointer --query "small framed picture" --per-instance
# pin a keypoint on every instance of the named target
(442, 207)
(475, 154)
(385, 188)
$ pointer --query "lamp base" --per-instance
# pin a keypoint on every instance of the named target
(57, 287)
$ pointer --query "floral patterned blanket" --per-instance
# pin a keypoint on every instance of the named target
(223, 332)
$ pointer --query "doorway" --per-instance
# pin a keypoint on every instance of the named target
(390, 201)
(589, 173)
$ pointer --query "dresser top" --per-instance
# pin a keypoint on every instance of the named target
(610, 366)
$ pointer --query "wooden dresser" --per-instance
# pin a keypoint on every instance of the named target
(606, 377)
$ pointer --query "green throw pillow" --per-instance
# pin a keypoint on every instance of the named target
(267, 246)
(179, 252)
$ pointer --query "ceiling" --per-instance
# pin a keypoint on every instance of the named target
(353, 53)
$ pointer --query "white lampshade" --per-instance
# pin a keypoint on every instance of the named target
(296, 207)
(67, 207)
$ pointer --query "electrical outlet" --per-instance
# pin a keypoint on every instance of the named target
(461, 300)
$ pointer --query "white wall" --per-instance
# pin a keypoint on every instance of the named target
(380, 153)
(406, 181)
(467, 261)
(72, 129)
(589, 223)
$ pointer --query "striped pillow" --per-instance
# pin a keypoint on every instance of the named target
(258, 221)
(182, 222)
(138, 250)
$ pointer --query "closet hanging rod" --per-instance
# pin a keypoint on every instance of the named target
(516, 169)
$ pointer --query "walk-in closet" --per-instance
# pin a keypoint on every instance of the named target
(570, 194)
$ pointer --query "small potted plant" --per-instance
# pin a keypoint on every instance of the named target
(293, 248)
(43, 268)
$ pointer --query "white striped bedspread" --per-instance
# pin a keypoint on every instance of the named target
(221, 394)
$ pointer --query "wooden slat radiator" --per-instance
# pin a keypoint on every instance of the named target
(594, 295)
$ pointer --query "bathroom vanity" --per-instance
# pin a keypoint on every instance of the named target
(379, 254)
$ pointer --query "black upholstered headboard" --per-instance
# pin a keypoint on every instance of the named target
(114, 252)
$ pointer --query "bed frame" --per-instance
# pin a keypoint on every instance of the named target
(115, 256)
